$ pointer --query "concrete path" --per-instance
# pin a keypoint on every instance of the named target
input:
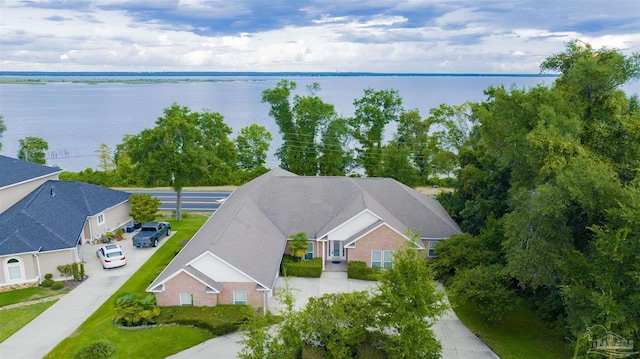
(42, 334)
(457, 341)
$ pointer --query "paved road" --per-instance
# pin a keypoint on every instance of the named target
(41, 335)
(191, 200)
(456, 339)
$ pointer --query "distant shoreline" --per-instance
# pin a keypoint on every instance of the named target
(250, 74)
(93, 78)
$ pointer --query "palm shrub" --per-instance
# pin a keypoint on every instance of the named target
(299, 244)
(132, 310)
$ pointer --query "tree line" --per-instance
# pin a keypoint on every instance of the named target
(548, 194)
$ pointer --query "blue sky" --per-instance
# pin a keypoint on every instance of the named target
(423, 36)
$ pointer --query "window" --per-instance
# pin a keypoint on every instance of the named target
(388, 259)
(309, 254)
(240, 297)
(101, 218)
(14, 269)
(432, 249)
(186, 299)
(382, 259)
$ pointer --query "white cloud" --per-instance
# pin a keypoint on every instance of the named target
(405, 36)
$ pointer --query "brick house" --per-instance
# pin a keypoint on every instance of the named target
(236, 254)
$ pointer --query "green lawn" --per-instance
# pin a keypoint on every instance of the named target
(158, 342)
(520, 335)
(14, 319)
(27, 294)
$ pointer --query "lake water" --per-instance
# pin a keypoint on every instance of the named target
(75, 118)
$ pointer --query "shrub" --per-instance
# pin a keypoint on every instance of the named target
(82, 270)
(359, 270)
(100, 349)
(65, 270)
(57, 285)
(48, 276)
(47, 283)
(311, 268)
(219, 320)
(74, 270)
(132, 310)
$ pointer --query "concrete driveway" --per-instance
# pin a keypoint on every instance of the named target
(41, 335)
(456, 339)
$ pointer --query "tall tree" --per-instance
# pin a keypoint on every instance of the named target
(397, 164)
(185, 148)
(33, 149)
(559, 167)
(336, 157)
(105, 158)
(299, 119)
(374, 111)
(3, 128)
(253, 144)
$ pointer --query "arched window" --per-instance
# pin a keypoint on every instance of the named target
(15, 269)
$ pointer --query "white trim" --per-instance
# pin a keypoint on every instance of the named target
(349, 220)
(175, 274)
(246, 297)
(19, 264)
(182, 304)
(352, 243)
(33, 179)
(227, 263)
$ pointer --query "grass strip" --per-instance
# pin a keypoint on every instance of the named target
(14, 319)
(27, 294)
(519, 335)
(157, 342)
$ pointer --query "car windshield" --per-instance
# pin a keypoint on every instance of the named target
(114, 254)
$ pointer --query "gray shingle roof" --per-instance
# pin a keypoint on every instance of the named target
(13, 171)
(250, 229)
(52, 217)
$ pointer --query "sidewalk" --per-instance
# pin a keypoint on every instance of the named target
(41, 335)
(456, 339)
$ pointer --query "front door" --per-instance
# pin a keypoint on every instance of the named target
(336, 250)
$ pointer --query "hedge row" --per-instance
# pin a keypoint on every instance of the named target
(310, 268)
(219, 320)
(359, 270)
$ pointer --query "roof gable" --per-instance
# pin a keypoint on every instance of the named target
(249, 231)
(14, 171)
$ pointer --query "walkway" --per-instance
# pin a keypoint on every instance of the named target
(457, 341)
(42, 334)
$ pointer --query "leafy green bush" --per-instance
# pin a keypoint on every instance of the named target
(311, 268)
(100, 349)
(47, 283)
(359, 270)
(65, 270)
(48, 276)
(132, 310)
(57, 285)
(219, 320)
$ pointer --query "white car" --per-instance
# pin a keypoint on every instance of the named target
(111, 256)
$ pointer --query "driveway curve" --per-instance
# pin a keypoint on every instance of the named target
(456, 339)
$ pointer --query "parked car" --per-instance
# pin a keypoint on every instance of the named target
(151, 233)
(111, 256)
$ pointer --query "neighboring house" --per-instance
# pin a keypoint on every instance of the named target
(18, 178)
(236, 254)
(49, 226)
